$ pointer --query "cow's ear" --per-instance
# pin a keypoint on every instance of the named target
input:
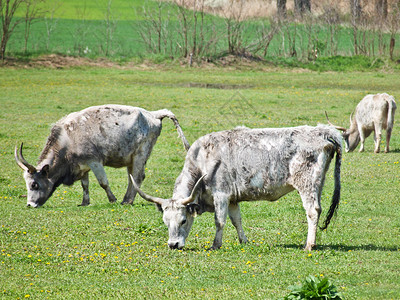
(193, 209)
(45, 170)
(159, 207)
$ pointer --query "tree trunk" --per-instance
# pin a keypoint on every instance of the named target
(392, 44)
(301, 7)
(355, 9)
(381, 7)
(281, 8)
(7, 11)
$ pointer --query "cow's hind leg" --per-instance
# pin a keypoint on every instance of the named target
(85, 187)
(221, 203)
(234, 215)
(101, 176)
(388, 136)
(312, 206)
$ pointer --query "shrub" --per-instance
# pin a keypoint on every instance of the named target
(314, 288)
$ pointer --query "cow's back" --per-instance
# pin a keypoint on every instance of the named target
(373, 109)
(109, 133)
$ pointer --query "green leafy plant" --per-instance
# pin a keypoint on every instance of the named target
(314, 288)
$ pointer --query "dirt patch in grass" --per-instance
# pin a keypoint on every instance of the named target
(56, 61)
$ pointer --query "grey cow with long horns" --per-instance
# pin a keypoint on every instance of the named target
(374, 113)
(108, 135)
(224, 168)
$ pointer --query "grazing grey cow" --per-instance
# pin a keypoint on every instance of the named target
(373, 113)
(224, 168)
(110, 135)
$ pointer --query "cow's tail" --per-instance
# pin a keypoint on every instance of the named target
(336, 193)
(161, 114)
(391, 111)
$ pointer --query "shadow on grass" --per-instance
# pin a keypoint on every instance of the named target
(346, 248)
(397, 150)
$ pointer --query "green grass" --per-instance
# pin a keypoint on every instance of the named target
(92, 10)
(109, 251)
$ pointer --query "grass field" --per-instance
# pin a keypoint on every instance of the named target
(109, 251)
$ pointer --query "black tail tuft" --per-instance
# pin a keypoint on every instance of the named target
(336, 194)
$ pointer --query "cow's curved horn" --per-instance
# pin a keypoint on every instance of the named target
(144, 195)
(22, 163)
(337, 127)
(351, 118)
(192, 197)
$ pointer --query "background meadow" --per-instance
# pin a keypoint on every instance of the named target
(111, 251)
(143, 30)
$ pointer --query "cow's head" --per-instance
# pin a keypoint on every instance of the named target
(351, 139)
(38, 184)
(351, 136)
(178, 214)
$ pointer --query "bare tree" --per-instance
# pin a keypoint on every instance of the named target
(8, 22)
(312, 29)
(281, 8)
(234, 24)
(81, 31)
(184, 26)
(393, 26)
(154, 28)
(302, 6)
(33, 12)
(381, 7)
(110, 25)
(265, 34)
(356, 12)
(205, 35)
(51, 22)
(288, 30)
(331, 17)
(355, 9)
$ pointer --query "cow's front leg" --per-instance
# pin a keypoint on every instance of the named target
(312, 206)
(137, 171)
(236, 219)
(362, 141)
(85, 187)
(101, 176)
(221, 212)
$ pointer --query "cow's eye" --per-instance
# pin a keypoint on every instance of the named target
(34, 186)
(183, 222)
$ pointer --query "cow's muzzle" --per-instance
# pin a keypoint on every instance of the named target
(174, 245)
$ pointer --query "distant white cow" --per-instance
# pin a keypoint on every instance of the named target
(224, 168)
(108, 135)
(373, 114)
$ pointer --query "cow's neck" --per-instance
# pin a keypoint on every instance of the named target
(59, 169)
(353, 127)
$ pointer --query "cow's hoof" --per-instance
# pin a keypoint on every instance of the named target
(213, 248)
(310, 247)
(127, 202)
(84, 204)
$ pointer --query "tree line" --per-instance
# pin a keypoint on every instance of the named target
(189, 29)
(300, 33)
